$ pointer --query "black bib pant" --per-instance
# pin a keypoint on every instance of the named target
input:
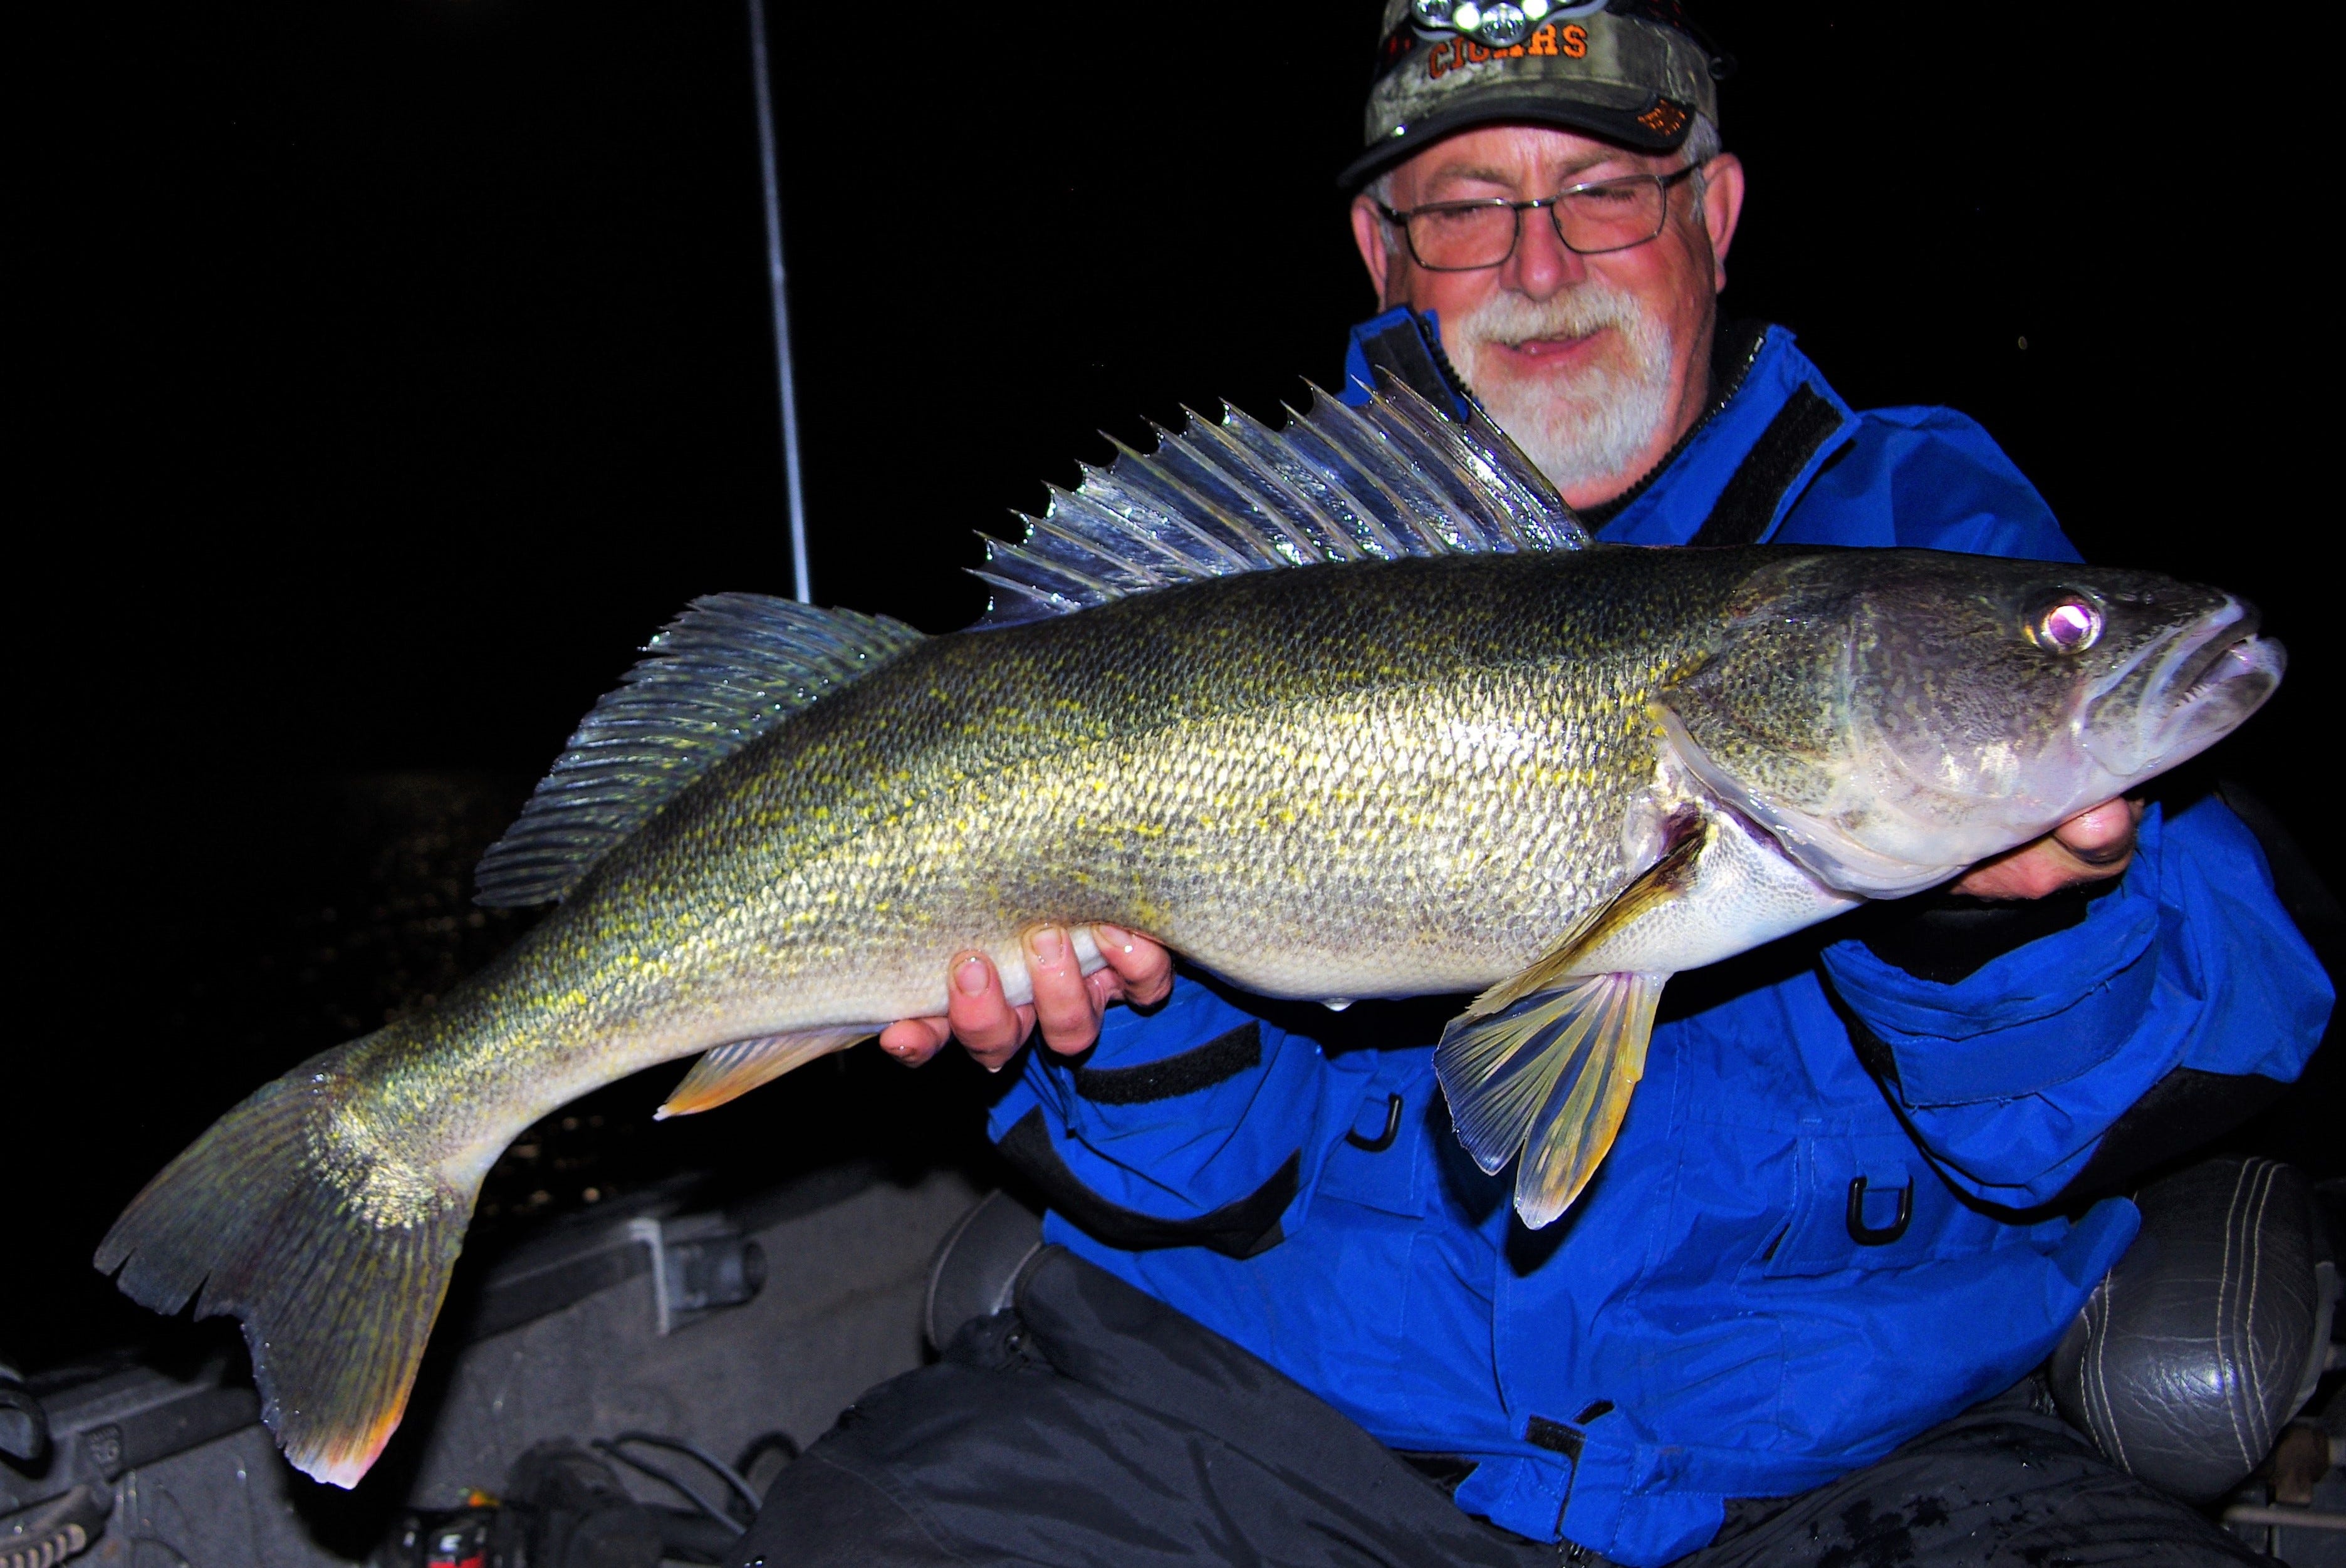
(1093, 1425)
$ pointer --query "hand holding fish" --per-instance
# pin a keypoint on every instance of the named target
(2091, 847)
(1068, 1003)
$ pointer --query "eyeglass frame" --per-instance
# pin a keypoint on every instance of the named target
(1401, 219)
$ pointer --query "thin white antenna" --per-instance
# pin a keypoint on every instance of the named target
(801, 578)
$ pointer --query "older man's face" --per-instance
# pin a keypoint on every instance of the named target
(1595, 364)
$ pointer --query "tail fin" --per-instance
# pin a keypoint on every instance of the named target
(333, 1255)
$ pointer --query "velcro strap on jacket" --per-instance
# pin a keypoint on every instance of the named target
(1218, 1061)
(1243, 1228)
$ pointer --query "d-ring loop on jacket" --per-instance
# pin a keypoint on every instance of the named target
(1383, 1140)
(1865, 1234)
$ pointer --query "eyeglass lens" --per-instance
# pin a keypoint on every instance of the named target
(1612, 216)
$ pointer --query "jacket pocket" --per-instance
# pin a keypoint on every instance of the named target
(1376, 1163)
(1861, 1201)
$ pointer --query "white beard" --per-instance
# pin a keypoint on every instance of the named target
(1588, 426)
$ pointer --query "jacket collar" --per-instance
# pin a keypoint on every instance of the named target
(1764, 425)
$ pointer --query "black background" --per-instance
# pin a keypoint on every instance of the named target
(389, 370)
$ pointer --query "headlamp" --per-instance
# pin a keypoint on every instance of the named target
(1501, 24)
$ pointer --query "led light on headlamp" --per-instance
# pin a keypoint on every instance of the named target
(1501, 24)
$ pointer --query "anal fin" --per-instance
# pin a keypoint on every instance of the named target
(728, 1072)
(1543, 1065)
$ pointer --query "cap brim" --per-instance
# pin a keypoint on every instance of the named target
(1619, 125)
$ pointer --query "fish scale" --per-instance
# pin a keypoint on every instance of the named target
(1458, 748)
(750, 908)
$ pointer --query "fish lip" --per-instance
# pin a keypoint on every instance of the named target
(2195, 661)
(2207, 677)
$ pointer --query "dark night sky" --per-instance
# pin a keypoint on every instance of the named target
(389, 370)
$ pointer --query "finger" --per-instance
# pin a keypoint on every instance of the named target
(1105, 987)
(982, 1018)
(913, 1041)
(994, 1055)
(2046, 866)
(993, 1058)
(1144, 966)
(1064, 1006)
(2029, 873)
(2103, 836)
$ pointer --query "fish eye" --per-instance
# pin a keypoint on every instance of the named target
(2070, 627)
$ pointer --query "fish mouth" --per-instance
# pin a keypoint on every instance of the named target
(2185, 693)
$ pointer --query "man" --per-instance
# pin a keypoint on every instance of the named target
(1833, 1219)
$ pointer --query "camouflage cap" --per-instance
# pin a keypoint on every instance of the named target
(1630, 71)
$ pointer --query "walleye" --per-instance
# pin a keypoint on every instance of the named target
(1351, 708)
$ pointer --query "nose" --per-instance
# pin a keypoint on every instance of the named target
(1542, 266)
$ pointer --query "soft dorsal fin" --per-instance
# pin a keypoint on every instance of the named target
(1339, 484)
(718, 677)
(1395, 478)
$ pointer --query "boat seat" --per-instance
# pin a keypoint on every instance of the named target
(2211, 1332)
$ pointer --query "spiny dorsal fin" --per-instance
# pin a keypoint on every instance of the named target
(1339, 484)
(721, 675)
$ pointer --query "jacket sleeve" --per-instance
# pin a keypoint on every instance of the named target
(2011, 1076)
(1196, 1124)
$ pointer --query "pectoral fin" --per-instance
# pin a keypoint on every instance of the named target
(1543, 1065)
(1549, 1077)
(732, 1070)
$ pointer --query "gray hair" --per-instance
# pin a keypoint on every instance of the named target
(1702, 143)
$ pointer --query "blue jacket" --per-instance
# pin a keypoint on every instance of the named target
(1703, 1324)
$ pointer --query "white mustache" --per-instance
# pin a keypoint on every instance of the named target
(1514, 320)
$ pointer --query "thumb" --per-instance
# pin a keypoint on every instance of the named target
(2103, 835)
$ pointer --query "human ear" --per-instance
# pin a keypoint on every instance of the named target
(1722, 209)
(1369, 235)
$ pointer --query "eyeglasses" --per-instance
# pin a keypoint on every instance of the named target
(1590, 220)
